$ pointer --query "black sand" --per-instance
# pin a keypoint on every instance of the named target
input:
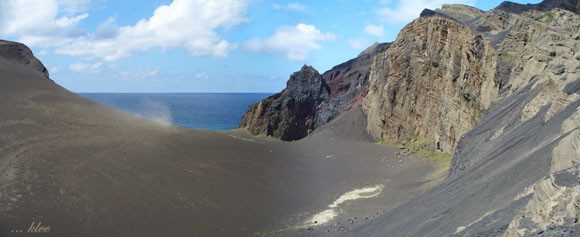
(83, 169)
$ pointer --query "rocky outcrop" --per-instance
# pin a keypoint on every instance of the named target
(434, 81)
(447, 67)
(290, 114)
(440, 75)
(516, 171)
(554, 207)
(501, 90)
(17, 53)
(460, 12)
(311, 100)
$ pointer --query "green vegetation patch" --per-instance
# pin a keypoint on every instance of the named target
(388, 143)
(548, 17)
(420, 146)
(423, 147)
(442, 159)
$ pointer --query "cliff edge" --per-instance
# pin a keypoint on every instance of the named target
(311, 100)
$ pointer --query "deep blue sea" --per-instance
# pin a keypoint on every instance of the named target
(208, 111)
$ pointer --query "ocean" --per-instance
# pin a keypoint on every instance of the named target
(207, 111)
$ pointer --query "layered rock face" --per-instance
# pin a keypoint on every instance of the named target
(311, 100)
(537, 51)
(447, 67)
(434, 81)
(515, 173)
(440, 75)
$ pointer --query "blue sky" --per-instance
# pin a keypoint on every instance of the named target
(201, 46)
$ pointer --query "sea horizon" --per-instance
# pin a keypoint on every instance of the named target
(204, 110)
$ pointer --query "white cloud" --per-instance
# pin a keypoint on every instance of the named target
(85, 67)
(291, 6)
(202, 75)
(188, 24)
(71, 7)
(406, 11)
(359, 43)
(70, 21)
(139, 73)
(54, 69)
(295, 42)
(374, 30)
(150, 73)
(43, 52)
(42, 23)
(107, 30)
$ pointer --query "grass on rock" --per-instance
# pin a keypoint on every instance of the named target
(423, 147)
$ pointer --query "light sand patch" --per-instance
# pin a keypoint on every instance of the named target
(323, 217)
(244, 139)
(497, 133)
(329, 214)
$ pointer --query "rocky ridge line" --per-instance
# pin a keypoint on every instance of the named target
(311, 100)
(17, 53)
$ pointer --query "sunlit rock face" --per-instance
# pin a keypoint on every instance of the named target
(435, 81)
(311, 100)
(515, 166)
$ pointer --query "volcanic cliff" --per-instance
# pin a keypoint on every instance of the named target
(311, 99)
(500, 89)
(508, 105)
